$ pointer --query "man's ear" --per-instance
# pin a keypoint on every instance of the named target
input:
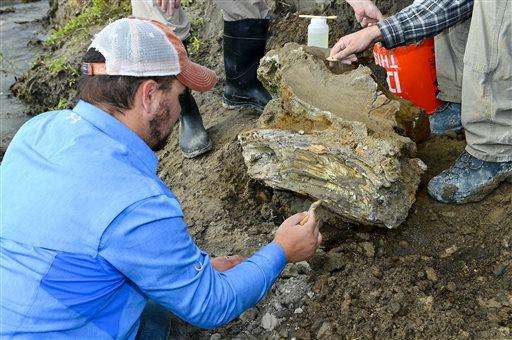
(148, 90)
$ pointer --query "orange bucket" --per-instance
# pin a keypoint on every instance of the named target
(411, 72)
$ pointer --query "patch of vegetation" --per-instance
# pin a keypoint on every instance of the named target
(62, 105)
(97, 12)
(60, 65)
(195, 44)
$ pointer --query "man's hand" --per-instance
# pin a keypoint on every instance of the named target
(359, 41)
(299, 242)
(366, 12)
(168, 6)
(222, 264)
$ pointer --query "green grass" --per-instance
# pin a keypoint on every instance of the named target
(195, 43)
(97, 12)
(60, 65)
(62, 105)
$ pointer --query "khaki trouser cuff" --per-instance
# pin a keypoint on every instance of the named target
(488, 157)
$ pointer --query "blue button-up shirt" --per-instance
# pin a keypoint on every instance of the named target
(90, 233)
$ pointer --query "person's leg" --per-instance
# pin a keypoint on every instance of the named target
(450, 47)
(234, 10)
(148, 10)
(194, 139)
(487, 89)
(245, 36)
(486, 108)
(155, 323)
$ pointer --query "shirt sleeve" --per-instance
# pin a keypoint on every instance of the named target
(423, 19)
(150, 244)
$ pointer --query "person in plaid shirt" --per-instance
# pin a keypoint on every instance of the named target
(473, 41)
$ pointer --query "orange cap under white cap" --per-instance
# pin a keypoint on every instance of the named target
(142, 48)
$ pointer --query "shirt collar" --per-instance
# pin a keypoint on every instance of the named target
(117, 131)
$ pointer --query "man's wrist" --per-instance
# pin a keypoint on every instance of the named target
(375, 33)
(282, 247)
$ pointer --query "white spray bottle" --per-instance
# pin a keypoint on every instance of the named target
(318, 30)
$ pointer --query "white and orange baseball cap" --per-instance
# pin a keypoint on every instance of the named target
(144, 48)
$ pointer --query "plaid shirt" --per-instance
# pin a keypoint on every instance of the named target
(423, 19)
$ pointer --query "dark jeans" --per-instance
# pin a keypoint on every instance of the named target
(155, 323)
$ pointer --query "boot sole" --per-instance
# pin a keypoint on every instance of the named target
(233, 105)
(197, 153)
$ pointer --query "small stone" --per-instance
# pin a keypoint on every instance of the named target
(376, 272)
(449, 252)
(431, 274)
(269, 322)
(504, 331)
(324, 331)
(500, 270)
(310, 294)
(216, 336)
(369, 249)
(427, 302)
(394, 308)
(491, 303)
(464, 334)
(403, 244)
(298, 311)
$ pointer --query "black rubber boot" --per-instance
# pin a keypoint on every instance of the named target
(244, 46)
(194, 139)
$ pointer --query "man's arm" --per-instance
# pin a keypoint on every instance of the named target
(412, 24)
(423, 19)
(150, 244)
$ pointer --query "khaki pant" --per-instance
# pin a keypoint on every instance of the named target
(232, 10)
(474, 68)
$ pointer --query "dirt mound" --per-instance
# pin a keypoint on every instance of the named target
(447, 271)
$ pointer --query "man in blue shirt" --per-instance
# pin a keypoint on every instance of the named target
(89, 233)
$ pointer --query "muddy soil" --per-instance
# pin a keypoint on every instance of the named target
(446, 272)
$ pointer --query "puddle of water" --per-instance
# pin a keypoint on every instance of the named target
(17, 29)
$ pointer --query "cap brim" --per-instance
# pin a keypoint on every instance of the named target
(197, 77)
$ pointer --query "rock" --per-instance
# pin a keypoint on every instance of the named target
(500, 270)
(427, 302)
(296, 269)
(325, 331)
(488, 303)
(431, 274)
(333, 137)
(449, 252)
(451, 287)
(269, 322)
(369, 249)
(403, 244)
(394, 308)
(216, 336)
(298, 311)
